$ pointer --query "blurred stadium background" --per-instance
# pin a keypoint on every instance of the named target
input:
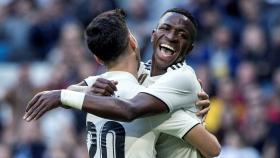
(237, 56)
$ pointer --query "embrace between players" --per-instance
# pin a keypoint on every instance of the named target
(162, 117)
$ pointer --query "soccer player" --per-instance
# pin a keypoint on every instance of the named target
(143, 103)
(167, 146)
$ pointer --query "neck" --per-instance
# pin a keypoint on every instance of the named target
(127, 63)
(156, 71)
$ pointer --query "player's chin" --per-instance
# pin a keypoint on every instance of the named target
(163, 65)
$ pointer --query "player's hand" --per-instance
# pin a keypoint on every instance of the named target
(41, 103)
(103, 87)
(203, 103)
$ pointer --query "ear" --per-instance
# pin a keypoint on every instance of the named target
(153, 33)
(132, 41)
(190, 48)
(188, 51)
(99, 61)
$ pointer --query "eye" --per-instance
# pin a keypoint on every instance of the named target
(163, 28)
(184, 35)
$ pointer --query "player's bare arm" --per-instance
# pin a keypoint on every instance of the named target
(204, 141)
(101, 87)
(112, 108)
(127, 110)
(106, 107)
(105, 87)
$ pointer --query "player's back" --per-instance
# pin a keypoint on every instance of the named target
(108, 138)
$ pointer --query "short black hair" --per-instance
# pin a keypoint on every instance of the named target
(186, 13)
(107, 35)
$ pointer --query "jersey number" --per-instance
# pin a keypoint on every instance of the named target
(114, 128)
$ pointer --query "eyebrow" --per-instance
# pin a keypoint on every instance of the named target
(183, 30)
(164, 24)
(178, 29)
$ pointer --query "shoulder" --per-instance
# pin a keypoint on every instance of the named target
(144, 67)
(144, 71)
(182, 73)
(182, 78)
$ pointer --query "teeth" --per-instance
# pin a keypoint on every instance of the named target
(167, 47)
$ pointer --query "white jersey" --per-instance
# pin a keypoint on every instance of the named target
(180, 79)
(182, 82)
(108, 138)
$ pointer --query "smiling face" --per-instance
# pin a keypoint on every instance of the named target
(172, 39)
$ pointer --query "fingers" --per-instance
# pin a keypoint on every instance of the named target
(203, 112)
(115, 83)
(104, 87)
(42, 103)
(202, 104)
(41, 112)
(200, 82)
(32, 101)
(99, 91)
(32, 107)
(202, 95)
(30, 115)
(36, 106)
(111, 84)
(204, 118)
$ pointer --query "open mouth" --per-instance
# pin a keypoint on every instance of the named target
(166, 49)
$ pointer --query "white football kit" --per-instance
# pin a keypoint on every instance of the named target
(168, 146)
(112, 139)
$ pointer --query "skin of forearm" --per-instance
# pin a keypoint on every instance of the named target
(109, 107)
(204, 141)
(215, 149)
(141, 105)
(119, 110)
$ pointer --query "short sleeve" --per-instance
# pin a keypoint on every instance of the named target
(178, 124)
(177, 89)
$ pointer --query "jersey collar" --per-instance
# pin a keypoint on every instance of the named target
(119, 75)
